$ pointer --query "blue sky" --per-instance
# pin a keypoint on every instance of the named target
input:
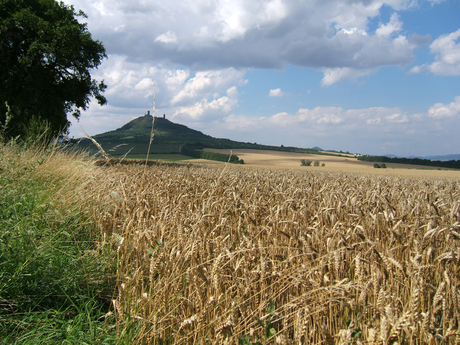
(365, 76)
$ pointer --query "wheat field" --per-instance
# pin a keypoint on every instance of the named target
(223, 254)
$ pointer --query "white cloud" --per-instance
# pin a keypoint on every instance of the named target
(274, 11)
(179, 93)
(276, 93)
(319, 115)
(368, 130)
(316, 116)
(226, 20)
(168, 37)
(176, 78)
(332, 36)
(358, 130)
(144, 84)
(216, 108)
(447, 56)
(336, 122)
(440, 110)
(416, 69)
(334, 75)
(395, 25)
(397, 118)
(447, 52)
(206, 83)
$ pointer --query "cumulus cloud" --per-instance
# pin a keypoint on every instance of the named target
(205, 109)
(447, 52)
(230, 20)
(276, 93)
(366, 130)
(395, 25)
(440, 110)
(373, 130)
(397, 118)
(334, 75)
(179, 93)
(447, 56)
(334, 116)
(332, 36)
(205, 83)
(168, 37)
(416, 69)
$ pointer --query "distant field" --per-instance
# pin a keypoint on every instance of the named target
(289, 160)
(168, 157)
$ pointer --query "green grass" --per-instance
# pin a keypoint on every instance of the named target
(56, 278)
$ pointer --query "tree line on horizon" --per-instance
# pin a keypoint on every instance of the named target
(452, 164)
(213, 156)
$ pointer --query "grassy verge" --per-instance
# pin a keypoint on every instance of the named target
(56, 276)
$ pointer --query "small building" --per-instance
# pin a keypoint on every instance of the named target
(148, 114)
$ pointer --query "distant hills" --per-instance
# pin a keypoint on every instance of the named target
(169, 137)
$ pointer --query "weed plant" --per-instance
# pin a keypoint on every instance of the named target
(56, 275)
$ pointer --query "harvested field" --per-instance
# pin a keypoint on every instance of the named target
(290, 160)
(225, 254)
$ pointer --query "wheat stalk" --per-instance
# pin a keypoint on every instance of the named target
(226, 244)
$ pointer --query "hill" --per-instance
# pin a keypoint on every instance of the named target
(174, 138)
(169, 137)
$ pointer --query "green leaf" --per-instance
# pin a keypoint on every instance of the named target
(271, 307)
(244, 340)
(260, 322)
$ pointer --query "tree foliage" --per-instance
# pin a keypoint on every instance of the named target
(305, 162)
(213, 156)
(452, 164)
(46, 56)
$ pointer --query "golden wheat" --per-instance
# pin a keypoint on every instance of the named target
(204, 252)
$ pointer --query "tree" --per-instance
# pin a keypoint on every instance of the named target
(46, 56)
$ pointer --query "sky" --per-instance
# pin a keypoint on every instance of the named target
(365, 76)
